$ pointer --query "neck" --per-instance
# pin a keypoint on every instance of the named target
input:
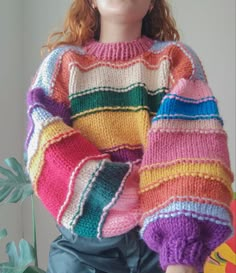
(119, 32)
(118, 51)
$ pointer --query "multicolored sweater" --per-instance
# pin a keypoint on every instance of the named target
(127, 134)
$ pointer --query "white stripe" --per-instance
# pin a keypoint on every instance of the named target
(39, 125)
(81, 188)
(119, 78)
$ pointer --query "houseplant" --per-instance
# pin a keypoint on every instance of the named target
(15, 187)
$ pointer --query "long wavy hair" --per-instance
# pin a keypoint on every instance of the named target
(82, 23)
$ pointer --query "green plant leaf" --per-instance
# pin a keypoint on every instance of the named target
(33, 269)
(3, 233)
(14, 183)
(18, 262)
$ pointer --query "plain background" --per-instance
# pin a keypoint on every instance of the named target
(208, 26)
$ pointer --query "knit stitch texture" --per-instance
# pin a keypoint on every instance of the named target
(127, 134)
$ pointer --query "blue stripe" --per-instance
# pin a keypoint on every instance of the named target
(199, 71)
(191, 209)
(46, 70)
(175, 106)
(172, 108)
(207, 209)
(159, 45)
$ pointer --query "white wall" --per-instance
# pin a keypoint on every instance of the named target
(39, 20)
(208, 26)
(11, 104)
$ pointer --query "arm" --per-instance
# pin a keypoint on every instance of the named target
(68, 172)
(185, 177)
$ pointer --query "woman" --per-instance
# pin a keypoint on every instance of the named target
(125, 140)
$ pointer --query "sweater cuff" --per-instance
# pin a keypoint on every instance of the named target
(180, 251)
(184, 240)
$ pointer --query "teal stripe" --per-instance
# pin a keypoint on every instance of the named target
(136, 97)
(103, 191)
(116, 89)
(85, 191)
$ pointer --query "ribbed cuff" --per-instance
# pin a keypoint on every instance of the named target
(184, 240)
(180, 251)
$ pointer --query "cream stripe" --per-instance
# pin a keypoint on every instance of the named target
(81, 182)
(119, 78)
(33, 145)
(86, 191)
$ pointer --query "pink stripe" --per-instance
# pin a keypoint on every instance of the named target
(165, 147)
(125, 213)
(205, 125)
(192, 89)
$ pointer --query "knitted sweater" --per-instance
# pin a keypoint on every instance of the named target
(127, 134)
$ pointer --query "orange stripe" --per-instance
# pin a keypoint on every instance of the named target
(182, 66)
(61, 79)
(185, 186)
(85, 62)
(182, 69)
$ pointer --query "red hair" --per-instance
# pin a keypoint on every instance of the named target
(82, 23)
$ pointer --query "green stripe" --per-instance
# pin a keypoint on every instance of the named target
(85, 191)
(116, 89)
(101, 195)
(136, 97)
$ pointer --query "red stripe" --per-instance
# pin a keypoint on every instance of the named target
(61, 158)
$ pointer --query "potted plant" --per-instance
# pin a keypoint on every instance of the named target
(15, 187)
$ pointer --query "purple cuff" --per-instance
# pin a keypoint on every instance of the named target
(184, 240)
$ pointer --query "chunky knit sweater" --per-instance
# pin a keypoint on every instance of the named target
(129, 134)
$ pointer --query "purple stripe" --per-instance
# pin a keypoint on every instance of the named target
(38, 97)
(125, 154)
(185, 240)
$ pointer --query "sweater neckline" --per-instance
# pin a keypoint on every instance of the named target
(118, 51)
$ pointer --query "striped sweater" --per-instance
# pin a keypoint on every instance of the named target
(129, 134)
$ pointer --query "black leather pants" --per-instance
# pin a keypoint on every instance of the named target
(122, 254)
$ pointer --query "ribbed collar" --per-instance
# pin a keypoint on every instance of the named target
(118, 51)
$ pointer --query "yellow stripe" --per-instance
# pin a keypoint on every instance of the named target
(153, 177)
(47, 137)
(113, 109)
(109, 129)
